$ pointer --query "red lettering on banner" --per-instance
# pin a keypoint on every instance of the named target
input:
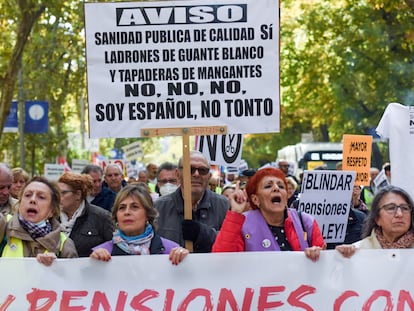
(44, 300)
(202, 292)
(226, 296)
(7, 302)
(142, 297)
(405, 297)
(99, 299)
(295, 297)
(378, 294)
(265, 292)
(36, 295)
(169, 296)
(340, 300)
(121, 301)
(247, 300)
(67, 296)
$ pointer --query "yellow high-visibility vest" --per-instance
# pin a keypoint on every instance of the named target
(14, 248)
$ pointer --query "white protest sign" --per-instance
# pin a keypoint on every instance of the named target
(371, 280)
(54, 171)
(133, 151)
(327, 196)
(78, 165)
(381, 181)
(225, 150)
(131, 169)
(182, 63)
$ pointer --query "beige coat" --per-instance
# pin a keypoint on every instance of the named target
(370, 242)
(49, 242)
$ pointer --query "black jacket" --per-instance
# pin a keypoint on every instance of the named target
(105, 199)
(91, 228)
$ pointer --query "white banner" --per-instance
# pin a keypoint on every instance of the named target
(181, 64)
(372, 280)
(327, 195)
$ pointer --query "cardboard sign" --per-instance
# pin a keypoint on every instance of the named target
(357, 157)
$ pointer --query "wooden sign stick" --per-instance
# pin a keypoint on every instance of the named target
(185, 132)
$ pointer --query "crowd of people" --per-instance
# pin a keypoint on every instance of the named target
(99, 214)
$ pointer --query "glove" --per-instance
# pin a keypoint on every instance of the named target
(191, 230)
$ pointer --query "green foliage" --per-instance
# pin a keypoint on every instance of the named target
(341, 63)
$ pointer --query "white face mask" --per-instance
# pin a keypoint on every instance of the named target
(168, 188)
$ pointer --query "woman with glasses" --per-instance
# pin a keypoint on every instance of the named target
(388, 225)
(86, 224)
(134, 215)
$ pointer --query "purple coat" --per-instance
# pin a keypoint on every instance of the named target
(168, 246)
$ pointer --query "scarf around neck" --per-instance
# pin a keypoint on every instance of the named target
(405, 241)
(134, 245)
(67, 224)
(37, 230)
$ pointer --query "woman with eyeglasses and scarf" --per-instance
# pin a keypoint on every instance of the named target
(34, 231)
(134, 215)
(388, 225)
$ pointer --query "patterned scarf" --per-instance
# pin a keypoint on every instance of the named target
(405, 241)
(134, 245)
(36, 230)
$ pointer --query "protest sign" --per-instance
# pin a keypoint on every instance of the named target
(78, 165)
(327, 196)
(224, 150)
(53, 171)
(182, 64)
(371, 280)
(357, 157)
(133, 151)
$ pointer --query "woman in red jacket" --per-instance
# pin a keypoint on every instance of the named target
(269, 225)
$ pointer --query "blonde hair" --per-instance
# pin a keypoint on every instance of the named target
(292, 182)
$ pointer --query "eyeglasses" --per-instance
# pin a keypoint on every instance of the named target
(201, 170)
(164, 181)
(392, 208)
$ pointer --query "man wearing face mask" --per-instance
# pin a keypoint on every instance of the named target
(167, 178)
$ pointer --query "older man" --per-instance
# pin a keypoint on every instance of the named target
(101, 196)
(6, 179)
(114, 177)
(209, 208)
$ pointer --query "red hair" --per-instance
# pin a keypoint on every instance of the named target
(253, 183)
